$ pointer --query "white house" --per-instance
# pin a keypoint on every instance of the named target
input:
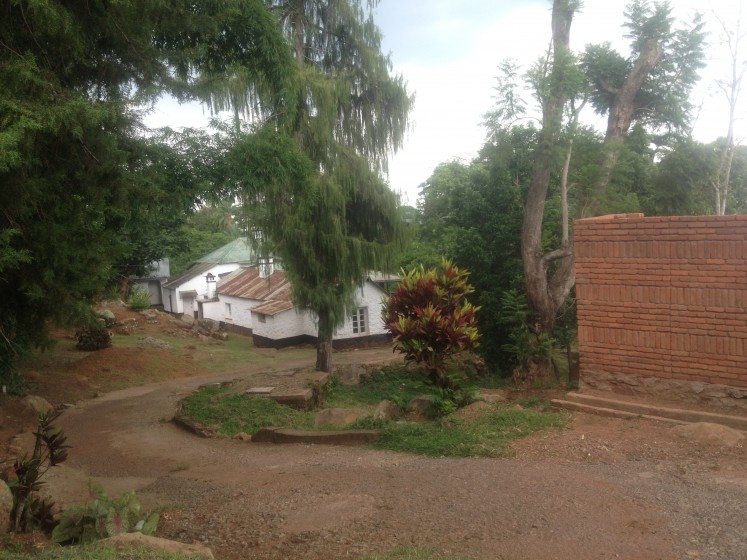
(152, 282)
(260, 300)
(189, 291)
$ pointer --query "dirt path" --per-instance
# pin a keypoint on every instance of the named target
(602, 489)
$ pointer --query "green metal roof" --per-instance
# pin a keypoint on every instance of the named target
(237, 251)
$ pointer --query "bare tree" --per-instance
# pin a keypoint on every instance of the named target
(731, 88)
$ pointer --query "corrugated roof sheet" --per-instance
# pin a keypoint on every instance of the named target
(274, 290)
(194, 271)
(273, 307)
(237, 251)
(246, 283)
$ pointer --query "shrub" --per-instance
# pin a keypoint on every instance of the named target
(431, 320)
(93, 338)
(29, 511)
(104, 517)
(139, 299)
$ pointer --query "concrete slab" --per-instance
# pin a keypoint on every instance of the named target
(301, 399)
(343, 437)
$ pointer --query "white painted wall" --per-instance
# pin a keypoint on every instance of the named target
(295, 322)
(241, 310)
(198, 284)
(370, 297)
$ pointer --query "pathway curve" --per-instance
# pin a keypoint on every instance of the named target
(294, 501)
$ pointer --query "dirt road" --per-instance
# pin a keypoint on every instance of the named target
(602, 489)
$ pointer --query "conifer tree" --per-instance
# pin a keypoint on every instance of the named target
(322, 204)
(74, 169)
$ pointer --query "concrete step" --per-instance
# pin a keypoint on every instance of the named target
(645, 409)
(611, 412)
(301, 399)
(343, 437)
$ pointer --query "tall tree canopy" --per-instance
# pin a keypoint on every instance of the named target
(650, 86)
(323, 206)
(81, 188)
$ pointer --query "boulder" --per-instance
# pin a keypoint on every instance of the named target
(422, 405)
(337, 416)
(138, 540)
(386, 410)
(152, 342)
(37, 404)
(220, 335)
(187, 319)
(710, 433)
(6, 504)
(207, 326)
(108, 316)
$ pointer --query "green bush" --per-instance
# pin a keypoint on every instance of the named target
(104, 517)
(139, 299)
(431, 320)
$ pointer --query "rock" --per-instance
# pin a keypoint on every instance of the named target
(150, 314)
(203, 338)
(386, 410)
(220, 335)
(6, 504)
(337, 416)
(243, 436)
(259, 390)
(37, 404)
(187, 319)
(422, 404)
(130, 540)
(207, 326)
(710, 433)
(152, 342)
(301, 399)
(106, 314)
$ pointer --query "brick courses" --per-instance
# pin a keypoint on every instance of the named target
(663, 297)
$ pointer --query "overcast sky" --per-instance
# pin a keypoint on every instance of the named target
(448, 51)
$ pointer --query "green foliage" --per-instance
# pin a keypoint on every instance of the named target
(138, 299)
(232, 413)
(29, 510)
(487, 436)
(430, 318)
(322, 206)
(88, 199)
(104, 517)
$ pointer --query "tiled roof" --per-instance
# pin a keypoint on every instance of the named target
(193, 272)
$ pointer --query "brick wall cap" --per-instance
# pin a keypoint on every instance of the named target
(612, 218)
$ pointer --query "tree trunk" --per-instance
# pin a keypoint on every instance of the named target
(546, 295)
(324, 343)
(620, 116)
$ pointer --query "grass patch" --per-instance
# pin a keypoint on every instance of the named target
(91, 552)
(488, 436)
(232, 413)
(409, 553)
(392, 383)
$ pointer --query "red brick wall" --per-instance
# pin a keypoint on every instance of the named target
(663, 297)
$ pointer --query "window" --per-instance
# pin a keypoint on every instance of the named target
(261, 318)
(359, 320)
(228, 310)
